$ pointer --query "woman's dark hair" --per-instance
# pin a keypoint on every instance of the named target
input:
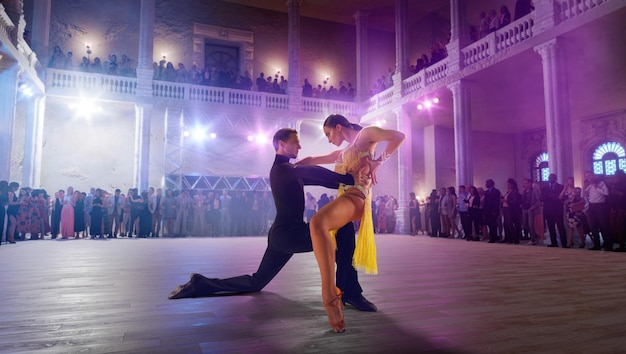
(452, 191)
(335, 119)
(512, 182)
(473, 190)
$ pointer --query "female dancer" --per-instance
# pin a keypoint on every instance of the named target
(353, 203)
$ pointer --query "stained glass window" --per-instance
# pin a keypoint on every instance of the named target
(540, 167)
(608, 157)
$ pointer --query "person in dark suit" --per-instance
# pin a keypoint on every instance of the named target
(289, 234)
(553, 211)
(491, 209)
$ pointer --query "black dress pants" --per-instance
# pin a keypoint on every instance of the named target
(283, 242)
(555, 217)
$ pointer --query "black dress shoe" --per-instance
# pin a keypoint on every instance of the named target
(553, 245)
(183, 291)
(595, 248)
(362, 304)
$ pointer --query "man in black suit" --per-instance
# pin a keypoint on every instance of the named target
(289, 234)
(553, 211)
(491, 209)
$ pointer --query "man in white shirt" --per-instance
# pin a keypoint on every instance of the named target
(598, 213)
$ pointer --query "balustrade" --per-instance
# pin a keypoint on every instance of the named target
(572, 8)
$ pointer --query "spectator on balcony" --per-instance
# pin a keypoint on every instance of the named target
(332, 93)
(69, 64)
(85, 65)
(494, 21)
(261, 84)
(96, 66)
(307, 89)
(275, 87)
(26, 37)
(317, 92)
(419, 65)
(194, 76)
(57, 60)
(438, 52)
(181, 73)
(351, 92)
(473, 32)
(206, 76)
(505, 16)
(269, 86)
(389, 78)
(343, 91)
(112, 66)
(126, 66)
(483, 29)
(523, 8)
(170, 72)
(283, 85)
(246, 81)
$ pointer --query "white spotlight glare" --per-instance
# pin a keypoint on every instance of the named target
(384, 121)
(420, 107)
(213, 135)
(250, 138)
(435, 100)
(261, 139)
(428, 104)
(198, 133)
(186, 133)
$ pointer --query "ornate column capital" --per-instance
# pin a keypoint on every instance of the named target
(546, 49)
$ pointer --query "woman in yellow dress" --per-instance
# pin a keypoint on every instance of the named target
(353, 203)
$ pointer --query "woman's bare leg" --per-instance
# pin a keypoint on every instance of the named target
(332, 216)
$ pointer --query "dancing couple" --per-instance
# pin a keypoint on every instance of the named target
(355, 172)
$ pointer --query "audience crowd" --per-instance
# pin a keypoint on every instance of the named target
(597, 210)
(343, 93)
(31, 214)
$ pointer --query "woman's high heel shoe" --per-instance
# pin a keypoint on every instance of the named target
(331, 306)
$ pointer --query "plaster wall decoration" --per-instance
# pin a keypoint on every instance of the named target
(600, 129)
(534, 142)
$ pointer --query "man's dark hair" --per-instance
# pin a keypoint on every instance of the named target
(282, 135)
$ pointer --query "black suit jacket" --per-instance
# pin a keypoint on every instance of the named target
(492, 201)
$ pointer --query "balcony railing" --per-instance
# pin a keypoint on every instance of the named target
(89, 82)
(572, 8)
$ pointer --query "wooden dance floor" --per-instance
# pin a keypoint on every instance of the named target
(433, 295)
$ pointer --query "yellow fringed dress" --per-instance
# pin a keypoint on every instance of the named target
(364, 257)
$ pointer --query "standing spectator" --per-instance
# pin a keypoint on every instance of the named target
(157, 205)
(414, 214)
(88, 205)
(225, 209)
(213, 206)
(494, 21)
(553, 211)
(435, 222)
(136, 204)
(505, 16)
(382, 214)
(169, 212)
(198, 208)
(115, 205)
(523, 8)
(97, 210)
(182, 215)
(491, 209)
(483, 29)
(23, 214)
(261, 84)
(79, 214)
(67, 214)
(463, 207)
(307, 89)
(55, 218)
(536, 209)
(309, 206)
(475, 215)
(527, 216)
(574, 205)
(453, 211)
(511, 208)
(145, 217)
(445, 209)
(598, 213)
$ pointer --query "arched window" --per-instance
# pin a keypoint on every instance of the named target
(608, 158)
(540, 167)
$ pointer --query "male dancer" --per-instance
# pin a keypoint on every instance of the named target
(289, 234)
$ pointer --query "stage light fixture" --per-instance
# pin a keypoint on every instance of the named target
(186, 134)
(213, 135)
(435, 100)
(420, 107)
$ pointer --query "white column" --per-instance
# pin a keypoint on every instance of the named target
(40, 36)
(556, 97)
(33, 142)
(463, 156)
(405, 170)
(8, 95)
(146, 48)
(143, 115)
(402, 59)
(294, 85)
(459, 34)
(362, 56)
